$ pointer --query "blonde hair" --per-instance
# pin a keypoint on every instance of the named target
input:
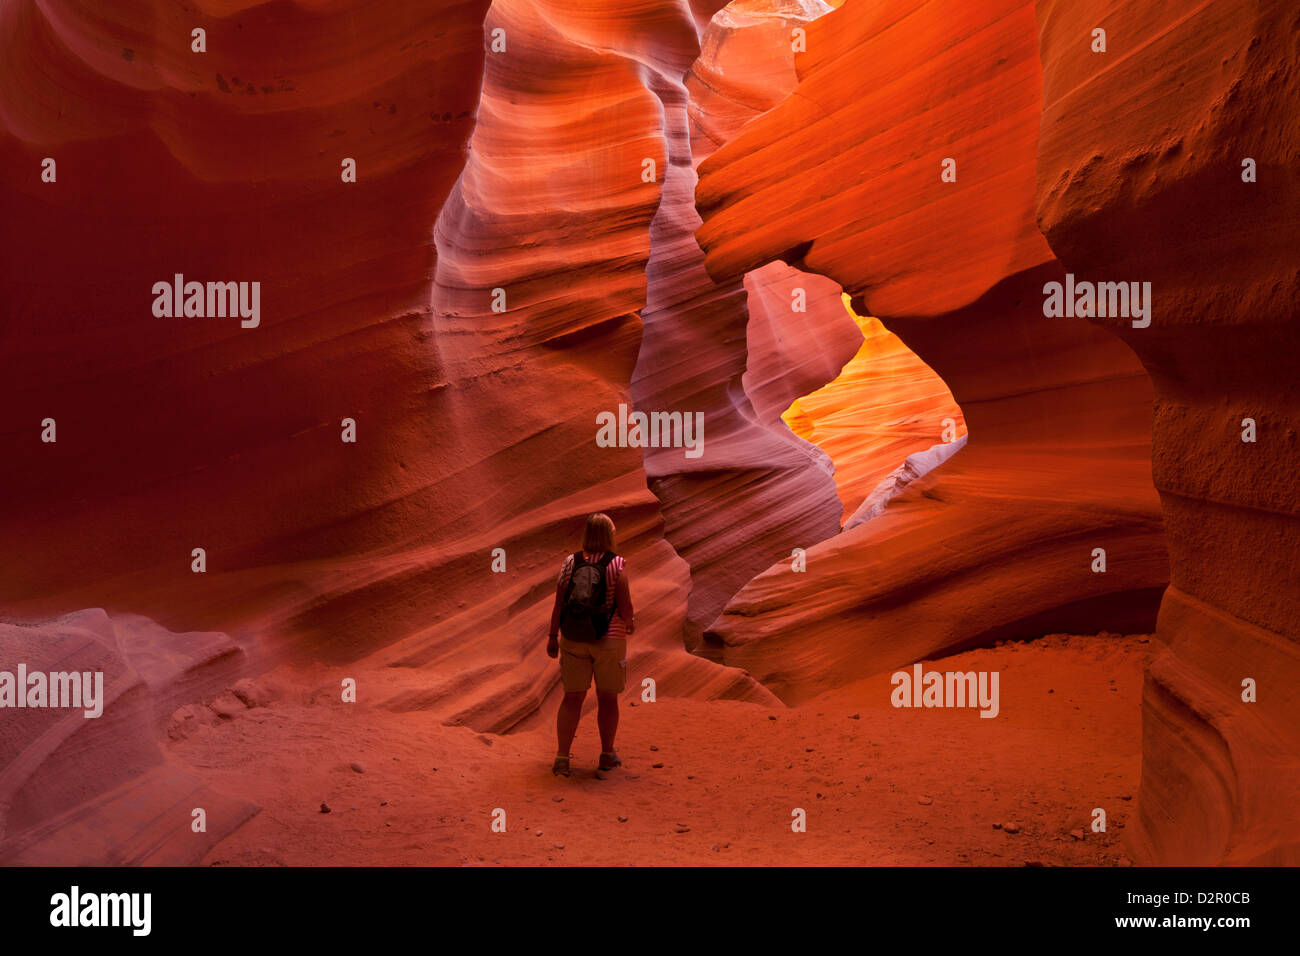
(598, 537)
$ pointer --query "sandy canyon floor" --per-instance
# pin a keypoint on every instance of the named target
(703, 782)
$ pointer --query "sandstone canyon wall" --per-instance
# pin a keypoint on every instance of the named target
(222, 166)
(183, 433)
(553, 210)
(1142, 176)
(756, 488)
(1000, 541)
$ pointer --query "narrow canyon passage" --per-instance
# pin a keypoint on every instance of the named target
(315, 561)
(399, 606)
(858, 765)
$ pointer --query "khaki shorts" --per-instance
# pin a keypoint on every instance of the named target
(606, 659)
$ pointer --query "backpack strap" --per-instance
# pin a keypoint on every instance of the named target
(578, 561)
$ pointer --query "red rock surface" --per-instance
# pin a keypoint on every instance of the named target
(372, 556)
(789, 354)
(99, 790)
(521, 171)
(552, 209)
(1140, 177)
(731, 348)
(183, 433)
(745, 67)
(756, 490)
(844, 176)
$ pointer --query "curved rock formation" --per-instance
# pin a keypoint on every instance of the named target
(789, 354)
(326, 549)
(744, 68)
(552, 210)
(329, 549)
(1057, 461)
(132, 152)
(1143, 176)
(883, 406)
(82, 778)
(225, 165)
(757, 491)
(754, 486)
(727, 349)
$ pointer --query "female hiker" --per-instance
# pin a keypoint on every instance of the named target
(590, 625)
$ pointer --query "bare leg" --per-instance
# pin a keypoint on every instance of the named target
(566, 719)
(607, 720)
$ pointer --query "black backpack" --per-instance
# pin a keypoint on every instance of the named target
(583, 617)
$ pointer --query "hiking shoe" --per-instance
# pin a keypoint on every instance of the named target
(561, 766)
(608, 761)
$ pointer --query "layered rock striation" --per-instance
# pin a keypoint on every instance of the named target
(850, 177)
(1170, 159)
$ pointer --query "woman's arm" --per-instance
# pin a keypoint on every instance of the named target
(623, 600)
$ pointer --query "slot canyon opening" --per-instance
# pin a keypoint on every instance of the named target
(742, 350)
(846, 415)
(886, 419)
